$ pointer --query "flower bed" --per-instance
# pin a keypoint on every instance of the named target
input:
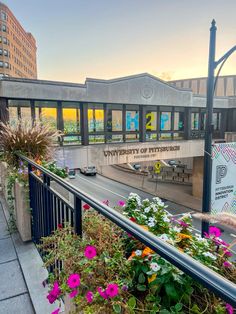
(109, 271)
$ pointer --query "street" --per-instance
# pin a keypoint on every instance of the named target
(103, 188)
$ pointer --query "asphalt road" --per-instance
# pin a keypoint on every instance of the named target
(103, 188)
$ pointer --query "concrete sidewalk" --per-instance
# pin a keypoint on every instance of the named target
(14, 295)
(21, 273)
(177, 193)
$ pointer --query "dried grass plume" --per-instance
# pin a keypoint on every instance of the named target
(223, 218)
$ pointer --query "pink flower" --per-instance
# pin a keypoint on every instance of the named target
(214, 231)
(73, 281)
(112, 290)
(56, 311)
(90, 251)
(106, 202)
(54, 293)
(227, 253)
(73, 293)
(121, 203)
(51, 298)
(59, 226)
(89, 296)
(86, 207)
(182, 223)
(229, 308)
(227, 264)
(102, 293)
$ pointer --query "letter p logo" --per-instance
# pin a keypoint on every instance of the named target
(221, 172)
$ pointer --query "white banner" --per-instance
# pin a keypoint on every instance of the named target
(223, 189)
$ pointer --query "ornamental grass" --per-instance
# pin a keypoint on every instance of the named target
(34, 141)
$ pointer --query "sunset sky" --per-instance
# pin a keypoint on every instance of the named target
(113, 38)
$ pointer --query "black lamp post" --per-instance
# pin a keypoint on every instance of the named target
(211, 85)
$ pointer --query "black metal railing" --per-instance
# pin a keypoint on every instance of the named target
(49, 209)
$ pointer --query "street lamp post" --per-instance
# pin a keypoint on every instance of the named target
(211, 85)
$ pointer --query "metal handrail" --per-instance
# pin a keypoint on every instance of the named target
(207, 277)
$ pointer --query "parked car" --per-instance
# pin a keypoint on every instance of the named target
(90, 170)
(71, 173)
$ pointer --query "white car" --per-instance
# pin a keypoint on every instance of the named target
(90, 170)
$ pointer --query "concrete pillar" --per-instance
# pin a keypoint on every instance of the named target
(197, 178)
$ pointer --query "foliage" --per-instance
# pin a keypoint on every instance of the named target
(51, 166)
(30, 140)
(146, 282)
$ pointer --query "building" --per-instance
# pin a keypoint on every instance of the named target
(17, 47)
(226, 85)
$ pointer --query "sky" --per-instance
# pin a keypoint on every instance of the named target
(79, 39)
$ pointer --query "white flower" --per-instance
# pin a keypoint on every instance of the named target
(138, 252)
(164, 237)
(156, 199)
(154, 267)
(154, 209)
(146, 200)
(147, 209)
(161, 204)
(208, 254)
(166, 219)
(176, 229)
(151, 219)
(151, 224)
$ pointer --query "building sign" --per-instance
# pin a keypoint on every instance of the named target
(223, 190)
(138, 151)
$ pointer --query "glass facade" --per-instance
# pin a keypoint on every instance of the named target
(116, 123)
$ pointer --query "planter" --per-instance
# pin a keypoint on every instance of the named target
(69, 307)
(4, 172)
(23, 216)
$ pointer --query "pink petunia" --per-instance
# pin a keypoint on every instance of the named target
(51, 298)
(56, 311)
(73, 294)
(103, 294)
(112, 290)
(182, 223)
(214, 231)
(89, 296)
(121, 203)
(73, 281)
(90, 251)
(229, 308)
(106, 202)
(54, 293)
(227, 264)
(227, 253)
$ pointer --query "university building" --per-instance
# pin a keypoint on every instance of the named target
(17, 47)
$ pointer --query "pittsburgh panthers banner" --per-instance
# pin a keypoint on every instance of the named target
(223, 190)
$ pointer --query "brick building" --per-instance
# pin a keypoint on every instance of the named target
(17, 47)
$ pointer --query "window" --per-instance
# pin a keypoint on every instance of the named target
(95, 118)
(19, 109)
(3, 16)
(46, 111)
(114, 118)
(179, 121)
(5, 52)
(216, 120)
(194, 120)
(1, 64)
(132, 121)
(5, 40)
(165, 121)
(0, 39)
(4, 28)
(1, 52)
(6, 64)
(151, 121)
(71, 120)
(202, 121)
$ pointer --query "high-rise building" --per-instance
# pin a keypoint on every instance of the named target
(17, 47)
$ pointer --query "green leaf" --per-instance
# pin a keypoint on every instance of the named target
(171, 291)
(132, 302)
(178, 307)
(195, 309)
(117, 308)
(141, 287)
(141, 278)
(164, 312)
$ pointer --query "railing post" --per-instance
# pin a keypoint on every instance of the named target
(78, 215)
(46, 205)
(31, 200)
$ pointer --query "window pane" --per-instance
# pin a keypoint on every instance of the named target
(132, 120)
(179, 121)
(71, 120)
(178, 136)
(194, 120)
(165, 136)
(151, 136)
(216, 120)
(72, 140)
(116, 120)
(25, 114)
(202, 121)
(117, 138)
(132, 137)
(95, 120)
(13, 118)
(165, 121)
(49, 117)
(151, 121)
(96, 139)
